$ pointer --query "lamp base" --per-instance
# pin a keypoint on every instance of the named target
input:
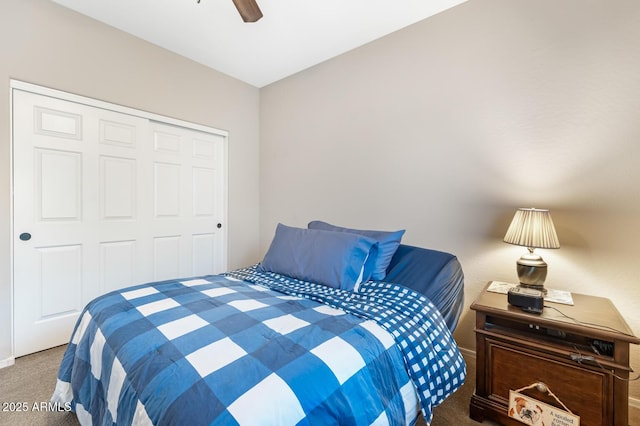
(532, 271)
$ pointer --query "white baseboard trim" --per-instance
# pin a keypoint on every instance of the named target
(7, 362)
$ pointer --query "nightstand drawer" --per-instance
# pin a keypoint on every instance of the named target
(584, 391)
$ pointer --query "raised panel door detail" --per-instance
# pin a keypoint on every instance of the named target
(117, 188)
(167, 142)
(58, 185)
(60, 124)
(204, 149)
(166, 257)
(203, 254)
(119, 134)
(117, 264)
(60, 280)
(204, 191)
(167, 189)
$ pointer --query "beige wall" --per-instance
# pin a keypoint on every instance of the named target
(46, 44)
(448, 126)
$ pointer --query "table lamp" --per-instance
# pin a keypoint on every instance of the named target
(532, 228)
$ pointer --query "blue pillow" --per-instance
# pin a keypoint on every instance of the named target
(335, 259)
(388, 242)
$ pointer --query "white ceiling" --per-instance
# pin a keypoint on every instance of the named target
(293, 34)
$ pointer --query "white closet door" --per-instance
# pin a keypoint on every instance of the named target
(188, 207)
(104, 200)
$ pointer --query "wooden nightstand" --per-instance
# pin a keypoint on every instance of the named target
(516, 349)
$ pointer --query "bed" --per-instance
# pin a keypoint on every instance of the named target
(333, 326)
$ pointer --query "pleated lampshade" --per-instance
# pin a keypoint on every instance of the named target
(532, 228)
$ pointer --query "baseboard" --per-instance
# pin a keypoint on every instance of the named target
(7, 362)
(634, 403)
(468, 353)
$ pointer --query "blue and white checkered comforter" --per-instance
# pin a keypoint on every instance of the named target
(258, 348)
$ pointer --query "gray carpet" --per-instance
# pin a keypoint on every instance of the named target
(29, 384)
(32, 379)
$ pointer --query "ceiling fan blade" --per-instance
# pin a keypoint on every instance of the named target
(248, 9)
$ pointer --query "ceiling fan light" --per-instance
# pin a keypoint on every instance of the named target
(248, 9)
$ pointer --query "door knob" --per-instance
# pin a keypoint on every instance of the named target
(25, 236)
(219, 225)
